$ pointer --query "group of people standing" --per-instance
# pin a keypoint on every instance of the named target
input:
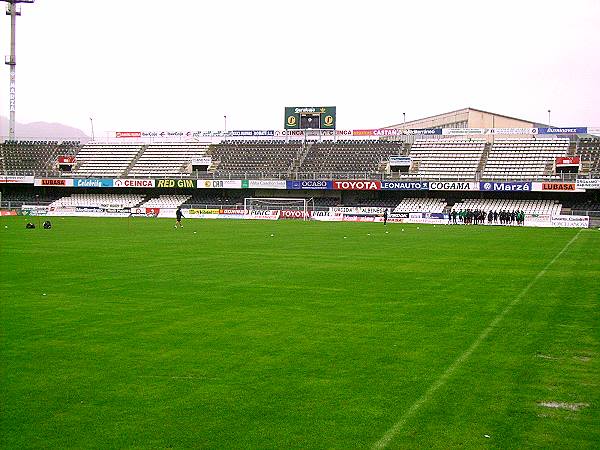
(479, 217)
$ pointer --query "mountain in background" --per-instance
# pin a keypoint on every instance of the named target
(43, 130)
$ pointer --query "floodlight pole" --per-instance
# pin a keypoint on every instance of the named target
(92, 122)
(12, 62)
(549, 118)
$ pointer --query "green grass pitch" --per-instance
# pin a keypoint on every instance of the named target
(129, 333)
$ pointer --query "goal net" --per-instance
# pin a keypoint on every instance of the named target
(292, 207)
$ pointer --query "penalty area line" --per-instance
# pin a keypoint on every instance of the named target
(395, 429)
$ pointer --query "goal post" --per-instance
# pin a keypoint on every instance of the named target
(305, 205)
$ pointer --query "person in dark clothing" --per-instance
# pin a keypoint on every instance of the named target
(385, 216)
(179, 216)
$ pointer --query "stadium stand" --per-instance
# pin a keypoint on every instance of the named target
(327, 202)
(348, 156)
(586, 207)
(524, 159)
(431, 205)
(269, 157)
(105, 160)
(527, 206)
(446, 160)
(166, 201)
(18, 197)
(206, 198)
(97, 200)
(169, 159)
(589, 151)
(34, 157)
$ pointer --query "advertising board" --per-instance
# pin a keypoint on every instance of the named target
(14, 179)
(571, 221)
(555, 186)
(266, 184)
(179, 183)
(93, 182)
(219, 184)
(133, 183)
(453, 186)
(58, 182)
(309, 184)
(587, 183)
(505, 186)
(357, 185)
(404, 185)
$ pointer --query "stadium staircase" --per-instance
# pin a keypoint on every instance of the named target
(134, 160)
(584, 168)
(141, 202)
(414, 168)
(549, 169)
(214, 162)
(483, 160)
(300, 157)
(2, 159)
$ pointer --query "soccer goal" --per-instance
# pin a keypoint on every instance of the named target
(299, 208)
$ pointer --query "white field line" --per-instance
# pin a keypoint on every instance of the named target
(395, 429)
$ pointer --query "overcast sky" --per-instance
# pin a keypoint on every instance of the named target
(162, 65)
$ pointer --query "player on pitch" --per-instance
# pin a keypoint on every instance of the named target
(179, 216)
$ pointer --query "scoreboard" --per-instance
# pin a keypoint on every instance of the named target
(309, 118)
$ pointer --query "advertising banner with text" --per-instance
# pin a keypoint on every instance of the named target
(200, 211)
(568, 130)
(405, 185)
(566, 161)
(57, 182)
(176, 183)
(356, 185)
(293, 214)
(385, 132)
(555, 186)
(128, 134)
(453, 186)
(250, 133)
(309, 184)
(587, 183)
(93, 182)
(262, 215)
(462, 131)
(219, 184)
(266, 184)
(133, 183)
(400, 161)
(571, 221)
(511, 130)
(8, 179)
(202, 161)
(505, 186)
